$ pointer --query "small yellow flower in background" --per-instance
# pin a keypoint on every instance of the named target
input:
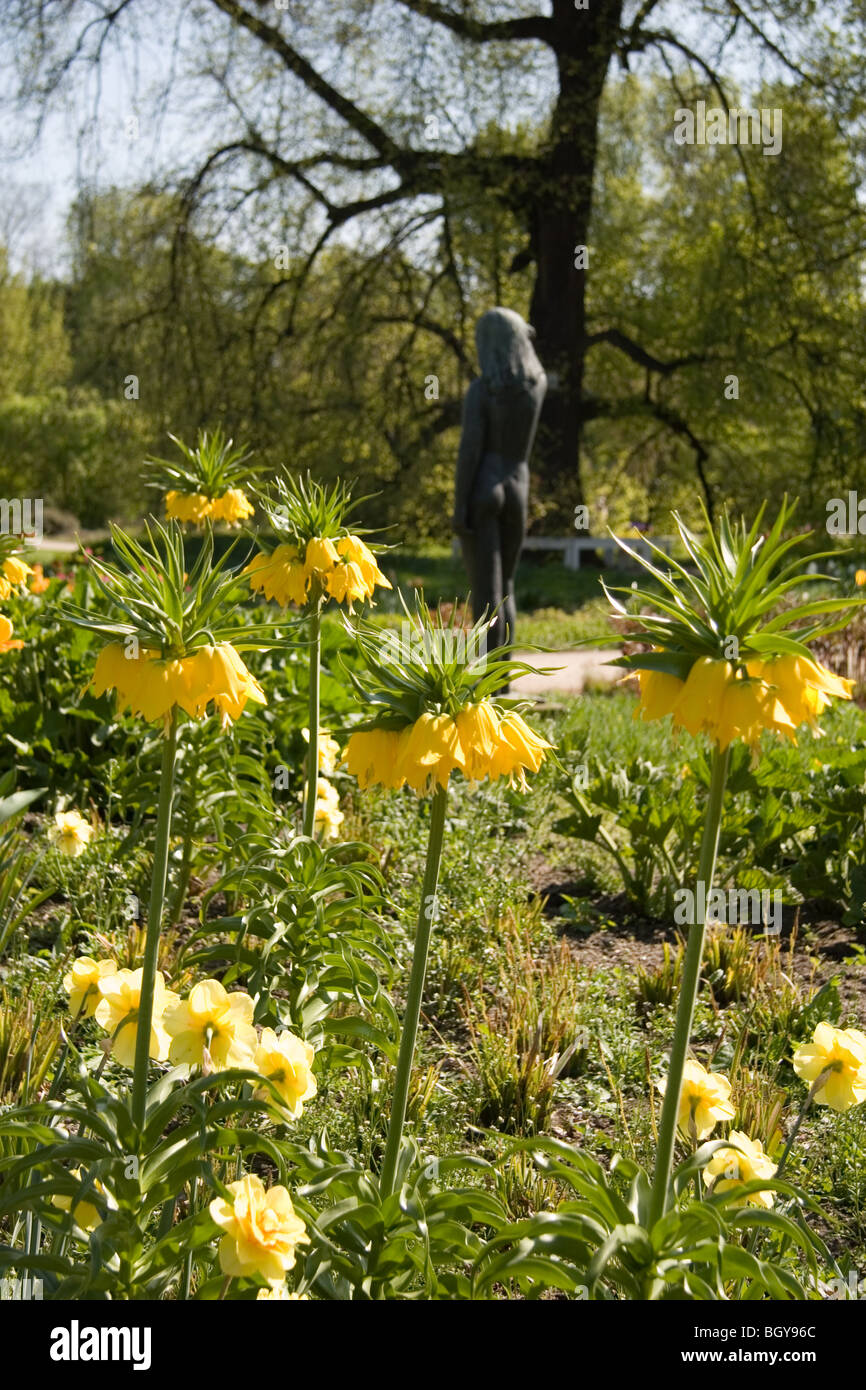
(730, 1167)
(85, 1214)
(261, 1229)
(151, 686)
(860, 578)
(233, 507)
(479, 743)
(187, 506)
(287, 1061)
(71, 833)
(211, 1026)
(282, 1294)
(82, 984)
(705, 1095)
(328, 816)
(843, 1049)
(329, 752)
(117, 1012)
(16, 571)
(6, 629)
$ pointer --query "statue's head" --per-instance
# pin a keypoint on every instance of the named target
(505, 350)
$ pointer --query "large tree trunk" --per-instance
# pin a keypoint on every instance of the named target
(584, 44)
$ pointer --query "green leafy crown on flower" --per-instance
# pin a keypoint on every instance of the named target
(739, 579)
(440, 669)
(300, 509)
(210, 469)
(152, 599)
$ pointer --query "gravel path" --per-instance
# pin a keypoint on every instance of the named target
(575, 670)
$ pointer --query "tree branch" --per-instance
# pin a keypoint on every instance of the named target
(482, 31)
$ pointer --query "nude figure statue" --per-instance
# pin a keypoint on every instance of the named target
(491, 498)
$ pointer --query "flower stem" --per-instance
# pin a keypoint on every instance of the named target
(688, 988)
(313, 720)
(154, 922)
(427, 913)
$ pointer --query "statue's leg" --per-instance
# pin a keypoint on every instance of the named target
(483, 553)
(512, 525)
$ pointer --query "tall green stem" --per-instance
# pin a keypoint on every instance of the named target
(427, 913)
(689, 987)
(154, 922)
(313, 720)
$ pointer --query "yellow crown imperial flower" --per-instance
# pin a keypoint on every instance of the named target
(280, 576)
(729, 1168)
(71, 833)
(478, 727)
(151, 685)
(86, 1215)
(346, 583)
(860, 578)
(659, 693)
(117, 1012)
(261, 1229)
(287, 1061)
(211, 1021)
(842, 1053)
(193, 507)
(320, 557)
(358, 574)
(232, 508)
(704, 1100)
(82, 984)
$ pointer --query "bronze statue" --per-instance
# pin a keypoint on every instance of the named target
(491, 500)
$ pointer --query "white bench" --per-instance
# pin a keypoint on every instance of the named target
(573, 546)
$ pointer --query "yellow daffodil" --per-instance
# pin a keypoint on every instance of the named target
(212, 1028)
(328, 816)
(261, 1229)
(151, 685)
(281, 1293)
(842, 1052)
(728, 1168)
(704, 1098)
(329, 752)
(16, 571)
(117, 1012)
(82, 984)
(71, 833)
(287, 1061)
(85, 1214)
(187, 506)
(233, 507)
(6, 642)
(280, 576)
